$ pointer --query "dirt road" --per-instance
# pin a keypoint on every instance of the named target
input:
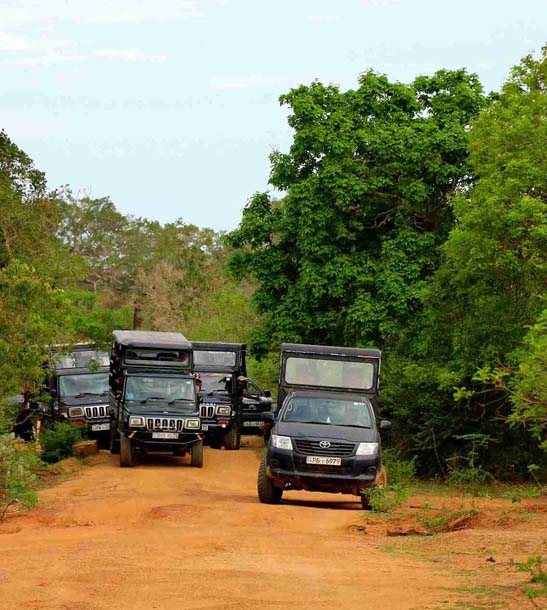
(166, 536)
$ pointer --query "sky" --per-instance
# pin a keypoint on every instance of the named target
(170, 107)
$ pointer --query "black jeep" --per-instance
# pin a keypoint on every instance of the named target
(78, 387)
(325, 436)
(153, 398)
(231, 403)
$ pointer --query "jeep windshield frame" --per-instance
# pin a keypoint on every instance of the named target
(219, 357)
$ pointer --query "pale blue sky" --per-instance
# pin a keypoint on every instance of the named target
(170, 107)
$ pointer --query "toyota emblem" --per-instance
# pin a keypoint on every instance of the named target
(324, 444)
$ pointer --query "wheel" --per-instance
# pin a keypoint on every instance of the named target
(126, 452)
(365, 501)
(268, 493)
(232, 438)
(114, 442)
(197, 455)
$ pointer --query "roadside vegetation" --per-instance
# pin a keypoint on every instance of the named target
(413, 219)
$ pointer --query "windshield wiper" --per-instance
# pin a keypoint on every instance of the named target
(152, 398)
(82, 394)
(354, 426)
(177, 399)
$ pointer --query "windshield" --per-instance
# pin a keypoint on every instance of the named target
(93, 384)
(171, 389)
(215, 382)
(324, 372)
(314, 409)
(81, 359)
(214, 358)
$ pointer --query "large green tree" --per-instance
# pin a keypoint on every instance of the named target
(345, 255)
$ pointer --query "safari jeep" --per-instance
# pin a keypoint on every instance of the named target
(325, 436)
(153, 398)
(78, 388)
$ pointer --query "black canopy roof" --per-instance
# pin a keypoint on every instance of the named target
(152, 339)
(326, 350)
(212, 346)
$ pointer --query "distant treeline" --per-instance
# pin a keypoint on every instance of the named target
(414, 219)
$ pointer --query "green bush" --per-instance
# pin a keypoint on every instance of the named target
(400, 474)
(18, 462)
(57, 442)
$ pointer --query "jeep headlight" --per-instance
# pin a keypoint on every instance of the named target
(224, 410)
(367, 449)
(136, 421)
(75, 412)
(192, 424)
(281, 442)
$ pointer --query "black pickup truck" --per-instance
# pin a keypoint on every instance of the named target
(325, 436)
(153, 398)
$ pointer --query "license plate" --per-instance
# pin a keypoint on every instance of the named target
(325, 461)
(169, 435)
(99, 427)
(205, 427)
(253, 424)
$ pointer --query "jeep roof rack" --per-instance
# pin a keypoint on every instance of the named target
(152, 339)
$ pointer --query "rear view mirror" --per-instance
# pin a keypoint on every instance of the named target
(268, 417)
(267, 393)
(385, 424)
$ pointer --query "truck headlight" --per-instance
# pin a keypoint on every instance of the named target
(281, 442)
(136, 422)
(75, 412)
(367, 449)
(224, 410)
(192, 424)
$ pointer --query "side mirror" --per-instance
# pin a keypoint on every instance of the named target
(267, 394)
(385, 424)
(53, 393)
(268, 417)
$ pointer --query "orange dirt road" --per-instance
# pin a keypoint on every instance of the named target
(167, 536)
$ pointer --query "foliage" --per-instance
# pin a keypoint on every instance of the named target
(489, 289)
(18, 462)
(400, 475)
(57, 442)
(443, 520)
(536, 568)
(344, 257)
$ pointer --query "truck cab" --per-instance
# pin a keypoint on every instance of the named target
(153, 398)
(325, 435)
(78, 388)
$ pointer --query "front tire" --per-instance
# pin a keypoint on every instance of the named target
(197, 455)
(232, 438)
(381, 481)
(268, 493)
(126, 452)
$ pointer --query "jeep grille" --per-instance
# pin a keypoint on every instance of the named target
(164, 423)
(207, 411)
(94, 412)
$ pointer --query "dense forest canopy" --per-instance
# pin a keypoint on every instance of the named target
(413, 219)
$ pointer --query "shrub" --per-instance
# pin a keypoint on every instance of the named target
(400, 474)
(18, 461)
(57, 442)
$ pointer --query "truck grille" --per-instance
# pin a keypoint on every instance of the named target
(94, 412)
(164, 423)
(335, 448)
(207, 411)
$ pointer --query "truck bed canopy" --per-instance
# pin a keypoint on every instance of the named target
(328, 367)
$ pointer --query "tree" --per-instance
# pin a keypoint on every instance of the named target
(490, 288)
(344, 257)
